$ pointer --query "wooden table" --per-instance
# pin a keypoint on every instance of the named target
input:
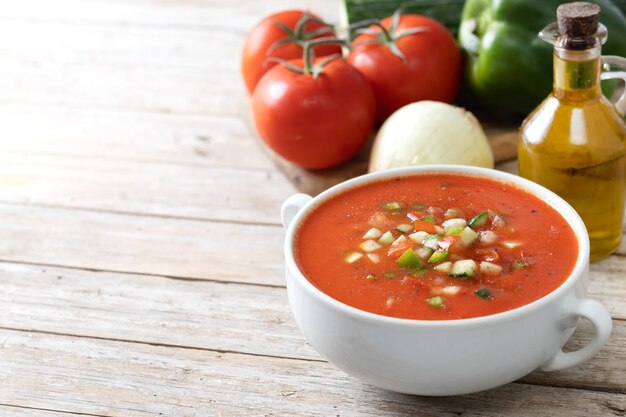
(141, 268)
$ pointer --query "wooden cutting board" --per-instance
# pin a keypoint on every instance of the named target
(502, 135)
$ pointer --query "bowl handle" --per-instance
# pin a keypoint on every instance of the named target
(601, 320)
(292, 206)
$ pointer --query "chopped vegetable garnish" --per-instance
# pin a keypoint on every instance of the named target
(409, 260)
(455, 223)
(392, 206)
(373, 233)
(498, 221)
(438, 256)
(429, 218)
(453, 212)
(418, 237)
(487, 237)
(465, 268)
(468, 236)
(436, 301)
(373, 257)
(424, 253)
(371, 277)
(519, 265)
(404, 228)
(389, 275)
(423, 226)
(444, 267)
(370, 245)
(453, 230)
(483, 293)
(451, 290)
(431, 241)
(450, 243)
(479, 219)
(511, 244)
(490, 268)
(386, 239)
(352, 257)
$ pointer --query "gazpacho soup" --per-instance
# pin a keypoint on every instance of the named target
(435, 247)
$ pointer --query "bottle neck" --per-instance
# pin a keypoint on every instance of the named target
(577, 74)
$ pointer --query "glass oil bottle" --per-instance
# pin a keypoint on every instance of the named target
(574, 143)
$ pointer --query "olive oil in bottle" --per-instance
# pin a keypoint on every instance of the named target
(574, 143)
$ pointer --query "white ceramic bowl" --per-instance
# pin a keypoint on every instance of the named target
(448, 357)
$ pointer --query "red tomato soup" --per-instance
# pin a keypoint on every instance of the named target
(435, 247)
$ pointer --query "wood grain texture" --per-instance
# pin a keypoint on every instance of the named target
(129, 135)
(147, 188)
(25, 411)
(220, 317)
(125, 379)
(152, 245)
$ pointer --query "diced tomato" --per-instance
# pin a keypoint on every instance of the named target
(422, 226)
(488, 255)
(451, 244)
(399, 248)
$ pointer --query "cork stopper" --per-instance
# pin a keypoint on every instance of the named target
(578, 22)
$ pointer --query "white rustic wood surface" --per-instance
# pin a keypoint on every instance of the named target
(130, 191)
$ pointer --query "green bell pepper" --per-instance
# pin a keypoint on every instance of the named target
(507, 66)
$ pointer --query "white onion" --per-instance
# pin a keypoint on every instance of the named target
(430, 132)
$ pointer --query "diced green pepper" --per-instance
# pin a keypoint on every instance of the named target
(479, 219)
(409, 260)
(519, 265)
(391, 206)
(429, 218)
(436, 301)
(438, 256)
(483, 293)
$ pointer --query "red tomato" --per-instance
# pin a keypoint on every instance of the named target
(314, 122)
(254, 57)
(431, 69)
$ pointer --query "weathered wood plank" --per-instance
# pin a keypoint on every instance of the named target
(189, 191)
(129, 135)
(20, 411)
(125, 379)
(217, 316)
(183, 248)
(239, 15)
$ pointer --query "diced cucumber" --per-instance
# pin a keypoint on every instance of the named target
(490, 268)
(439, 230)
(451, 290)
(404, 228)
(373, 233)
(400, 240)
(511, 244)
(479, 219)
(468, 236)
(443, 267)
(409, 260)
(465, 268)
(453, 212)
(391, 206)
(483, 293)
(352, 257)
(386, 239)
(373, 257)
(455, 223)
(424, 253)
(453, 230)
(438, 256)
(436, 301)
(369, 246)
(418, 237)
(429, 218)
(431, 241)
